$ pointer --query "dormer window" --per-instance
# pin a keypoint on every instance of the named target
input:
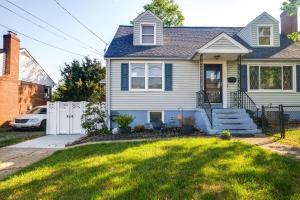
(148, 34)
(265, 36)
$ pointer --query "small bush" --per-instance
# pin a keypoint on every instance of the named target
(139, 128)
(226, 133)
(93, 119)
(124, 120)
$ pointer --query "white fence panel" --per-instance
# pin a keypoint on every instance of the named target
(65, 117)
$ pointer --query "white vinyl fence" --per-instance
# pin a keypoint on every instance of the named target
(65, 117)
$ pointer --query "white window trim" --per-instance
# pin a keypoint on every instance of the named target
(162, 115)
(271, 90)
(141, 34)
(146, 76)
(271, 35)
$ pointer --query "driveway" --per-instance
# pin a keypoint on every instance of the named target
(18, 156)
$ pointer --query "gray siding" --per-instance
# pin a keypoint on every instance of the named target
(186, 83)
(263, 98)
(223, 43)
(245, 34)
(249, 33)
(147, 17)
(231, 72)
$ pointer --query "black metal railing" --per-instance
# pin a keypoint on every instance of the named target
(204, 103)
(240, 99)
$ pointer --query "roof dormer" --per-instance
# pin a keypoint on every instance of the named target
(147, 29)
(263, 31)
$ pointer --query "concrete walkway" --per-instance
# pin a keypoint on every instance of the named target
(276, 147)
(15, 157)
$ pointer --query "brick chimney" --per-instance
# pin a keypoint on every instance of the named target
(11, 47)
(289, 24)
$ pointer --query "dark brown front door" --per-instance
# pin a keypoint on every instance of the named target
(213, 82)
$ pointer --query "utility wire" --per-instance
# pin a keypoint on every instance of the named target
(57, 29)
(37, 40)
(29, 20)
(92, 32)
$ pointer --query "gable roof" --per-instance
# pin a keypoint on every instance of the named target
(146, 12)
(231, 45)
(179, 42)
(183, 42)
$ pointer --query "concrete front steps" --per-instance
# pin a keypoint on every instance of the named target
(235, 120)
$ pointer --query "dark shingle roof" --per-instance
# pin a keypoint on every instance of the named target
(182, 42)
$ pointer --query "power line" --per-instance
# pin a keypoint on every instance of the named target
(29, 20)
(57, 29)
(80, 22)
(45, 43)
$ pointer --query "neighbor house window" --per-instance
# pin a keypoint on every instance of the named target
(146, 76)
(148, 34)
(155, 116)
(271, 77)
(264, 35)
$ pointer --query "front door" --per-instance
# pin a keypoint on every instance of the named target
(213, 82)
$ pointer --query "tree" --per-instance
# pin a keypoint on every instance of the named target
(291, 7)
(81, 82)
(166, 10)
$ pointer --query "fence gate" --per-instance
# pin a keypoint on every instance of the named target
(65, 117)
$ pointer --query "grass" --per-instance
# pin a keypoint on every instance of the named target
(10, 137)
(292, 138)
(187, 168)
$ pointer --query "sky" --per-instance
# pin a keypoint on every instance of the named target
(104, 17)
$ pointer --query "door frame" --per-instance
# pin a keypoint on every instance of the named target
(224, 78)
(221, 79)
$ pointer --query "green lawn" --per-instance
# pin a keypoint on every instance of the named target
(9, 136)
(292, 138)
(188, 168)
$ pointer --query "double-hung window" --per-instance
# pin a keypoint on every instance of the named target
(146, 76)
(271, 78)
(264, 35)
(148, 34)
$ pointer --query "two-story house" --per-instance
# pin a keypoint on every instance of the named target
(211, 74)
(23, 82)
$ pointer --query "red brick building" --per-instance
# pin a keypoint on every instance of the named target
(23, 82)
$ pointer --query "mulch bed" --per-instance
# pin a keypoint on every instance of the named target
(132, 136)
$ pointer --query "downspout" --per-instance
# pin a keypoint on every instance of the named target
(108, 86)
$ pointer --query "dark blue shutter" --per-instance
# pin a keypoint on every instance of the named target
(168, 77)
(124, 76)
(298, 78)
(244, 77)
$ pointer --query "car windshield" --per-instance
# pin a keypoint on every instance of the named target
(38, 110)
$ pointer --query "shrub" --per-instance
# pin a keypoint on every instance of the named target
(124, 120)
(226, 133)
(139, 128)
(93, 119)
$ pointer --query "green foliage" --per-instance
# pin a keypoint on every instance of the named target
(124, 120)
(139, 128)
(294, 36)
(291, 7)
(93, 119)
(166, 10)
(81, 82)
(226, 133)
